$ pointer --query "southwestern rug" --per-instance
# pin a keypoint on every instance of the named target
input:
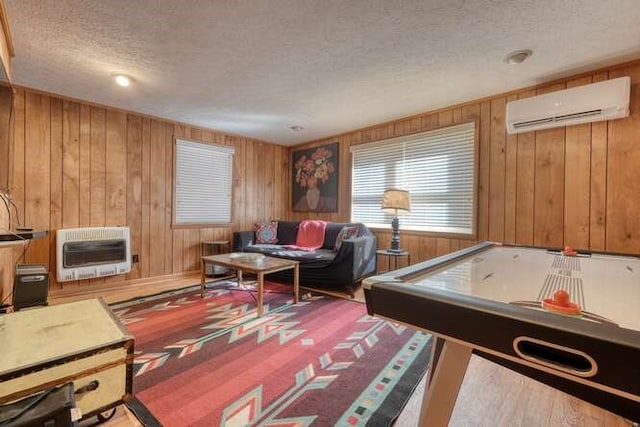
(320, 362)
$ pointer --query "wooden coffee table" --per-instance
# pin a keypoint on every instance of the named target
(240, 265)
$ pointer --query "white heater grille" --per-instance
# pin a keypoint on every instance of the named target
(96, 233)
(84, 253)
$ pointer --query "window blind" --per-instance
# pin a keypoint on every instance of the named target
(203, 183)
(438, 169)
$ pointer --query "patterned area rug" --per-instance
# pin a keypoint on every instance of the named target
(320, 362)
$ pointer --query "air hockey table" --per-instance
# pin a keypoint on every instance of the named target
(498, 301)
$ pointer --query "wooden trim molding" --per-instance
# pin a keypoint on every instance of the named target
(4, 21)
(6, 44)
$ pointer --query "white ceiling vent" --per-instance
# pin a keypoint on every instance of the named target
(605, 100)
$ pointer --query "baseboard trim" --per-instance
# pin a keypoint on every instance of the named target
(121, 284)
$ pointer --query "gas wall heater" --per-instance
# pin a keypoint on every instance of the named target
(84, 253)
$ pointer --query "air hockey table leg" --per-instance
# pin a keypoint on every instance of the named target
(444, 384)
(436, 350)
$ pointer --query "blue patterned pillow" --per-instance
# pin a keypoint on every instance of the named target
(347, 232)
(266, 232)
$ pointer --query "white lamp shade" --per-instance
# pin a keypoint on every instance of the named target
(396, 201)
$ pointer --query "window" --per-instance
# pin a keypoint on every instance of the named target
(203, 183)
(438, 169)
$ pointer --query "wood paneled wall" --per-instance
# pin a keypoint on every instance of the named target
(6, 261)
(79, 165)
(577, 186)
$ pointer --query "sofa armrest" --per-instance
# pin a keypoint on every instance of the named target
(360, 253)
(242, 239)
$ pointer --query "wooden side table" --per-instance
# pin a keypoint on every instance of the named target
(392, 256)
(215, 247)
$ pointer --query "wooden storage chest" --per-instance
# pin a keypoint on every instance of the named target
(80, 342)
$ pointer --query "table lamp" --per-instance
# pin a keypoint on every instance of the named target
(396, 201)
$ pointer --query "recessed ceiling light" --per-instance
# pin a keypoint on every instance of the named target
(296, 128)
(123, 80)
(518, 56)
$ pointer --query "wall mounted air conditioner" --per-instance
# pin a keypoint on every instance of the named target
(604, 100)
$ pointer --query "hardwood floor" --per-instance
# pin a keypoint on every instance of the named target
(122, 418)
(494, 396)
(490, 395)
(112, 293)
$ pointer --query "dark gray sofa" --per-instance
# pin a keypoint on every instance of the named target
(324, 267)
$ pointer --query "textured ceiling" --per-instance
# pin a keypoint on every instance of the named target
(256, 67)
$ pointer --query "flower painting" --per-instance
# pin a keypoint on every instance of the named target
(315, 179)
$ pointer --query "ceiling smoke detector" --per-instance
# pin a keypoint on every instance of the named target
(518, 57)
(296, 128)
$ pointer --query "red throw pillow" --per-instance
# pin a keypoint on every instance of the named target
(266, 232)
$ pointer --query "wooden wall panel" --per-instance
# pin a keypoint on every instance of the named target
(549, 183)
(6, 263)
(18, 182)
(116, 168)
(145, 225)
(443, 246)
(428, 249)
(85, 166)
(577, 186)
(55, 213)
(98, 126)
(525, 183)
(249, 175)
(98, 172)
(623, 174)
(156, 198)
(598, 179)
(6, 148)
(497, 165)
(91, 165)
(71, 165)
(168, 198)
(239, 200)
(134, 188)
(180, 131)
(193, 250)
(510, 183)
(115, 172)
(37, 151)
(6, 253)
(253, 163)
(484, 129)
(577, 180)
(445, 118)
(95, 166)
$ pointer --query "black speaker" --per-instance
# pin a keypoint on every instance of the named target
(30, 286)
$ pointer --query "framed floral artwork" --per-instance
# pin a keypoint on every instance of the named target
(314, 179)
